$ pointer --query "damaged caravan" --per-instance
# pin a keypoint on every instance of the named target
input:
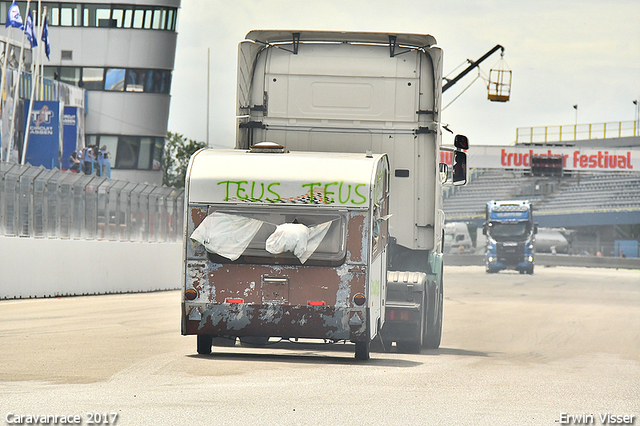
(285, 244)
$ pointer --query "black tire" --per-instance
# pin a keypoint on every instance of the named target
(362, 350)
(433, 335)
(204, 344)
(530, 270)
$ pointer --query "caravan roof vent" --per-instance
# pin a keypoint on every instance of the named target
(270, 147)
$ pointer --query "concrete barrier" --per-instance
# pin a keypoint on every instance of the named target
(53, 267)
(553, 260)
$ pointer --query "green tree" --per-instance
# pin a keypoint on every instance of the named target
(177, 152)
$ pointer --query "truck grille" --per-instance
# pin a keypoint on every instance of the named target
(510, 253)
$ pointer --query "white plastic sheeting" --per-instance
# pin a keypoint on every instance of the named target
(229, 236)
(297, 238)
(225, 234)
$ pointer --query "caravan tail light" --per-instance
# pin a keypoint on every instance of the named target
(191, 294)
(233, 300)
(359, 299)
(316, 303)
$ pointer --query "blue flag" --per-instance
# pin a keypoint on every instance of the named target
(30, 31)
(13, 16)
(45, 37)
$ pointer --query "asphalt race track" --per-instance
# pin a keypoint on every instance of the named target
(553, 348)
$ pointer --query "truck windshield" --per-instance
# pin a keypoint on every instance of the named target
(509, 231)
(290, 236)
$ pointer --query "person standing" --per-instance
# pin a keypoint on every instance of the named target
(89, 160)
(104, 164)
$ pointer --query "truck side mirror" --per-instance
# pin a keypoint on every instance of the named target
(484, 228)
(461, 142)
(460, 168)
(444, 172)
(535, 228)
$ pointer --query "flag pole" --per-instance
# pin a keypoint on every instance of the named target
(40, 93)
(4, 81)
(34, 79)
(16, 92)
(44, 50)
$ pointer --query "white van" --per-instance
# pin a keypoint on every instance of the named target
(457, 239)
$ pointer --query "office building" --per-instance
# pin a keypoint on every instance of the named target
(123, 54)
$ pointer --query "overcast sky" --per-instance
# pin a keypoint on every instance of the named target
(562, 53)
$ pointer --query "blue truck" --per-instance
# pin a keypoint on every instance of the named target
(510, 233)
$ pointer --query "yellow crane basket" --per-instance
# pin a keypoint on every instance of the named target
(499, 85)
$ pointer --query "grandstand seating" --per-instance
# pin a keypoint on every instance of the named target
(580, 193)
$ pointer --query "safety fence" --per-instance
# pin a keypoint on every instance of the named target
(574, 132)
(43, 203)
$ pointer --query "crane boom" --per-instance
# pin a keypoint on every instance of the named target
(472, 66)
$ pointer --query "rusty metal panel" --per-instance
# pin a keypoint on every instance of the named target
(357, 237)
(279, 300)
(195, 216)
(275, 300)
(280, 320)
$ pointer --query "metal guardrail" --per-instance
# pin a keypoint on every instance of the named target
(573, 132)
(43, 203)
(550, 260)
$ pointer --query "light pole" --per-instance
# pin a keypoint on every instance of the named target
(575, 128)
(208, 96)
(636, 118)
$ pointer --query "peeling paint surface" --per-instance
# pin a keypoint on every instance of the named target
(305, 301)
(279, 321)
(343, 295)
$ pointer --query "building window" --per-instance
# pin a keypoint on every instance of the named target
(101, 15)
(69, 15)
(116, 16)
(127, 153)
(171, 21)
(127, 20)
(97, 15)
(131, 152)
(138, 18)
(70, 75)
(136, 80)
(92, 78)
(113, 79)
(145, 153)
(111, 143)
(158, 150)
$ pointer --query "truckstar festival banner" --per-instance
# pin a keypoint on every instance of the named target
(573, 158)
(44, 134)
